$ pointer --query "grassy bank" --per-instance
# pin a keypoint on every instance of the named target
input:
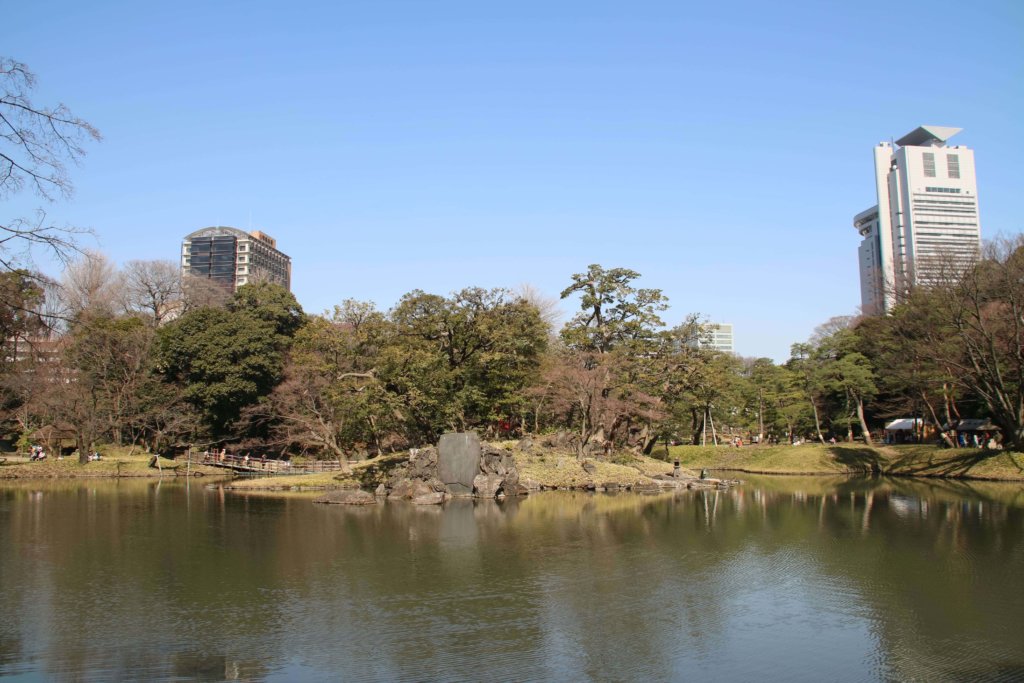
(916, 461)
(116, 462)
(553, 468)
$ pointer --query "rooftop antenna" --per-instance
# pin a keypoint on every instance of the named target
(250, 220)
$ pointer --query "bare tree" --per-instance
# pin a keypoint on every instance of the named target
(984, 313)
(828, 328)
(152, 288)
(546, 306)
(36, 143)
(201, 292)
(89, 284)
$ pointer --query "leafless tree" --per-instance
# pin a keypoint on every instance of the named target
(152, 288)
(36, 144)
(201, 292)
(547, 306)
(830, 327)
(984, 311)
(89, 283)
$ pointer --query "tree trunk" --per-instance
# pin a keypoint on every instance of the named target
(863, 423)
(849, 419)
(647, 439)
(760, 415)
(935, 421)
(1014, 438)
(817, 424)
(946, 400)
(83, 452)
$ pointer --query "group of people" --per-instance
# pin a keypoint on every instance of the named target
(986, 440)
(37, 452)
(246, 460)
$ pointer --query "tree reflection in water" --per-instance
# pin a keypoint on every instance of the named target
(797, 577)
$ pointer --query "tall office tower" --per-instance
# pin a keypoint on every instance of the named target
(232, 257)
(925, 224)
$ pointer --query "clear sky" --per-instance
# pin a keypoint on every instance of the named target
(720, 149)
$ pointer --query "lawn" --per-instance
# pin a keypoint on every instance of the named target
(115, 462)
(916, 460)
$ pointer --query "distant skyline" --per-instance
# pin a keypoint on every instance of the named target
(718, 150)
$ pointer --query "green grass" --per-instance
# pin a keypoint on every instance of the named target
(553, 468)
(116, 462)
(917, 460)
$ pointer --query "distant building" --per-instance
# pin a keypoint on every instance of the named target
(233, 257)
(926, 219)
(720, 337)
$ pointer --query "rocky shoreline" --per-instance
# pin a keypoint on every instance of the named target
(461, 466)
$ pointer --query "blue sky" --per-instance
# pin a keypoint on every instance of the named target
(720, 149)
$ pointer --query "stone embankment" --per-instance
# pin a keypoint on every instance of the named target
(462, 466)
(459, 466)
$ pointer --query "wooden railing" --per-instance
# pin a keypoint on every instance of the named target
(249, 464)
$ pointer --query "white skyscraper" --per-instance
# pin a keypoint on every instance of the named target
(926, 218)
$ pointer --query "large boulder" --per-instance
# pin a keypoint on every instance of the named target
(347, 497)
(460, 466)
(487, 485)
(422, 463)
(458, 461)
(432, 498)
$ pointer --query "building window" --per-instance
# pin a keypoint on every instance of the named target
(929, 164)
(953, 165)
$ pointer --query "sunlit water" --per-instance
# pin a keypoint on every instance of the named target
(794, 579)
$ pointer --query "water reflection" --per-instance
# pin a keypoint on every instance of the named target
(796, 578)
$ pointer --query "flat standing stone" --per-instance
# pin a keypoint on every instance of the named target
(347, 497)
(458, 461)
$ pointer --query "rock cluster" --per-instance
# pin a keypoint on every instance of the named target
(459, 466)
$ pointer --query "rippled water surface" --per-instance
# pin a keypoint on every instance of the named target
(795, 579)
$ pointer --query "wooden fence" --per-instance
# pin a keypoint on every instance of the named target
(250, 465)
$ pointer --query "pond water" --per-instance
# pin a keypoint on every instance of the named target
(795, 579)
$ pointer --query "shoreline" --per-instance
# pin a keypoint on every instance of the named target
(907, 461)
(112, 466)
(559, 469)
